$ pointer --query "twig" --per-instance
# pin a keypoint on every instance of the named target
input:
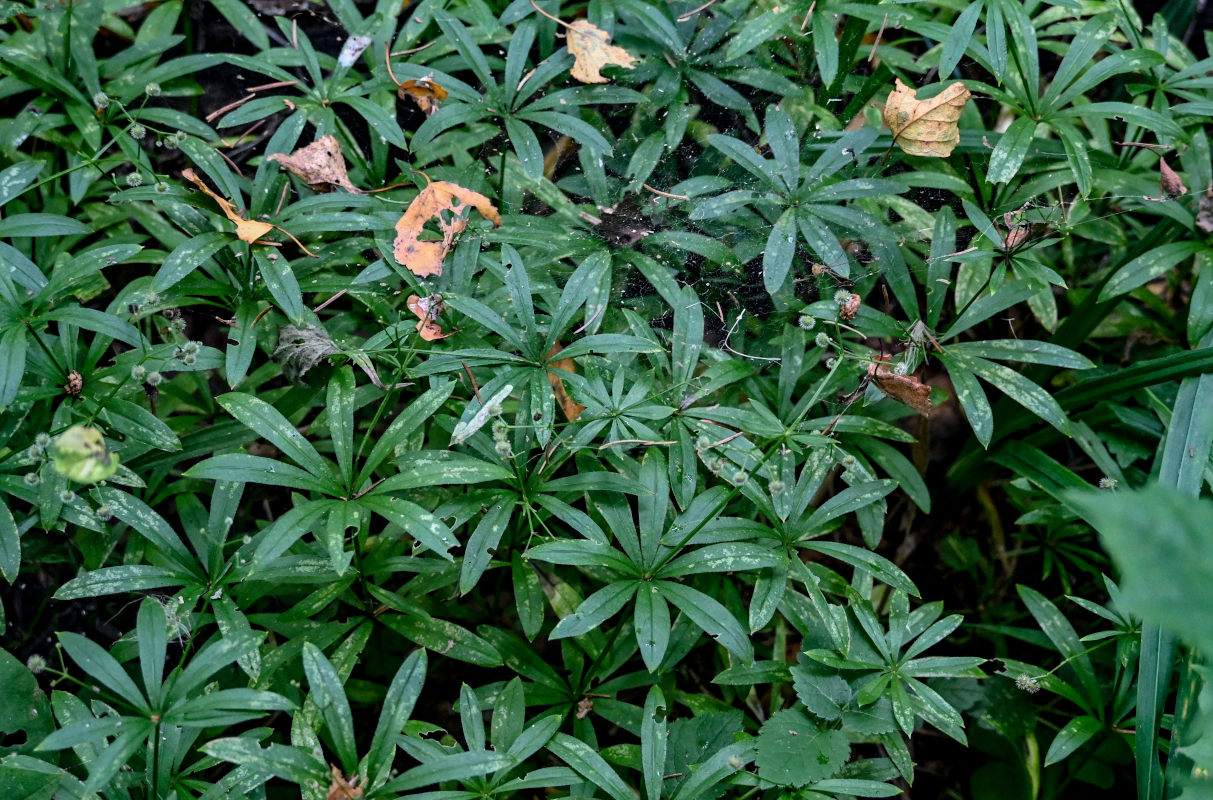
(725, 440)
(475, 388)
(807, 16)
(879, 34)
(325, 304)
(632, 441)
(1143, 144)
(666, 194)
(557, 20)
(690, 14)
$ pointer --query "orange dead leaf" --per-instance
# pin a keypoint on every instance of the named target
(443, 201)
(320, 165)
(426, 93)
(247, 230)
(903, 388)
(571, 408)
(428, 309)
(925, 127)
(591, 47)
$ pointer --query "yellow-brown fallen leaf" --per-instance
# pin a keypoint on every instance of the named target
(925, 127)
(903, 388)
(571, 408)
(592, 49)
(428, 309)
(444, 202)
(1172, 185)
(247, 230)
(426, 93)
(320, 165)
(341, 789)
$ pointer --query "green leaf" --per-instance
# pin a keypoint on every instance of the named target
(16, 225)
(1147, 267)
(654, 737)
(242, 468)
(340, 409)
(1074, 735)
(188, 256)
(959, 36)
(329, 695)
(284, 761)
(1063, 637)
(1010, 151)
(99, 664)
(483, 542)
(413, 417)
(711, 616)
(780, 249)
(596, 609)
(118, 580)
(652, 621)
(140, 425)
(582, 758)
(973, 400)
(397, 707)
(794, 751)
(422, 525)
(425, 468)
(879, 566)
(151, 632)
(444, 638)
(280, 281)
(268, 423)
(455, 766)
(10, 543)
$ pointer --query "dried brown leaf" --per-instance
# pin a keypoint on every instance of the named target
(1172, 184)
(903, 388)
(445, 202)
(1204, 211)
(320, 165)
(591, 47)
(571, 408)
(341, 789)
(428, 309)
(925, 127)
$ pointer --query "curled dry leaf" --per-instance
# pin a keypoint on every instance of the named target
(428, 309)
(320, 165)
(444, 202)
(591, 47)
(849, 308)
(925, 127)
(249, 230)
(903, 388)
(1172, 185)
(571, 408)
(342, 789)
(425, 92)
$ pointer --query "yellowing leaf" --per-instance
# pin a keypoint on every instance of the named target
(925, 127)
(247, 230)
(320, 165)
(445, 202)
(591, 48)
(428, 309)
(80, 454)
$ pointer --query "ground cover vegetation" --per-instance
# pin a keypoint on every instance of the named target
(624, 398)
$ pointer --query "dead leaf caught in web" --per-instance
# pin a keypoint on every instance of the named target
(592, 49)
(1172, 185)
(247, 230)
(425, 92)
(925, 127)
(320, 165)
(571, 408)
(428, 309)
(903, 388)
(444, 202)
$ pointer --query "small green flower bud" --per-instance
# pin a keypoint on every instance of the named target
(162, 187)
(36, 664)
(104, 512)
(32, 479)
(740, 477)
(776, 486)
(822, 340)
(179, 137)
(138, 372)
(134, 179)
(703, 443)
(842, 297)
(154, 379)
(43, 440)
(188, 359)
(101, 100)
(152, 90)
(807, 322)
(67, 496)
(137, 132)
(495, 410)
(1108, 483)
(503, 448)
(1027, 683)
